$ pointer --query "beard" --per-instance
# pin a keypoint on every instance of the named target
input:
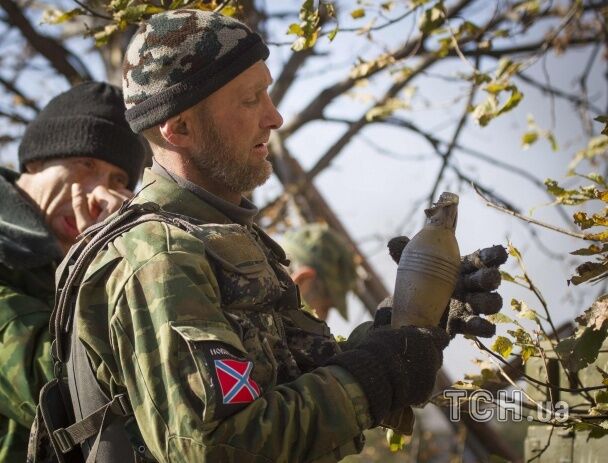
(218, 161)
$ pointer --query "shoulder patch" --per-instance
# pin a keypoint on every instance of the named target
(231, 376)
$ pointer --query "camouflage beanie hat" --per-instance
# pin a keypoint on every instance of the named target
(318, 247)
(179, 57)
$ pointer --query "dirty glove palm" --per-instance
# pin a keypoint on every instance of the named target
(475, 290)
(395, 367)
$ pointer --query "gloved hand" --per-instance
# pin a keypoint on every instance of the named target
(395, 367)
(474, 294)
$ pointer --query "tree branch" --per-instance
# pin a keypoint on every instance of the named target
(563, 231)
(316, 107)
(448, 152)
(13, 89)
(60, 58)
(577, 100)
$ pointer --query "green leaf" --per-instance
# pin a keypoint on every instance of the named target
(502, 346)
(484, 112)
(581, 351)
(513, 251)
(603, 120)
(479, 78)
(58, 17)
(507, 68)
(595, 431)
(590, 270)
(358, 13)
(604, 375)
(596, 315)
(387, 109)
(591, 250)
(570, 197)
(332, 35)
(527, 352)
(603, 236)
(396, 441)
(499, 318)
(467, 386)
(524, 311)
(102, 36)
(529, 138)
(496, 87)
(295, 29)
(552, 141)
(601, 396)
(597, 146)
(506, 276)
(432, 18)
(512, 102)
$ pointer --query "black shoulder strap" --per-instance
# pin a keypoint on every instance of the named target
(71, 271)
(105, 423)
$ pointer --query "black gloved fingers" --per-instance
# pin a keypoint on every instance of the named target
(383, 317)
(438, 336)
(396, 246)
(484, 279)
(484, 303)
(472, 325)
(462, 320)
(493, 256)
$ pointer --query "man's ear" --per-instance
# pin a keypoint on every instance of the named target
(177, 131)
(33, 167)
(304, 274)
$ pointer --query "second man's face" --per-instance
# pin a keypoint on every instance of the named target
(50, 187)
(234, 125)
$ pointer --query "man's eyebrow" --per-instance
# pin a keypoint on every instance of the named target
(261, 86)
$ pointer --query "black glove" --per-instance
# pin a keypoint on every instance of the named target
(474, 294)
(395, 367)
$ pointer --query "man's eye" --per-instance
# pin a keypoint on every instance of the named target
(121, 182)
(251, 101)
(88, 163)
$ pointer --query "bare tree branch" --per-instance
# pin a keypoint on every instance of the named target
(59, 57)
(449, 150)
(530, 219)
(547, 89)
(288, 75)
(326, 159)
(316, 107)
(23, 98)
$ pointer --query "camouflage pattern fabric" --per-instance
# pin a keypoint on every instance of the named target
(197, 331)
(26, 298)
(318, 247)
(179, 57)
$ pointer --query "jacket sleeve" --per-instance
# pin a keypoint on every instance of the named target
(167, 327)
(25, 353)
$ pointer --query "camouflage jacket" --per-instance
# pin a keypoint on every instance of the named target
(218, 365)
(28, 253)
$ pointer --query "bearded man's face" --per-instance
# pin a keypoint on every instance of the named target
(234, 125)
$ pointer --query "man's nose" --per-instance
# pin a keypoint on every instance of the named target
(273, 118)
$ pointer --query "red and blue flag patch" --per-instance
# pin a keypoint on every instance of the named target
(231, 374)
(235, 383)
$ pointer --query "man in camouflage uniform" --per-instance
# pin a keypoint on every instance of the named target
(80, 138)
(202, 329)
(323, 267)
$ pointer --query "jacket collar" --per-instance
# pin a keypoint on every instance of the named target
(25, 240)
(178, 195)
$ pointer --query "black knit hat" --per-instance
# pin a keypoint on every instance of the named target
(88, 120)
(179, 57)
